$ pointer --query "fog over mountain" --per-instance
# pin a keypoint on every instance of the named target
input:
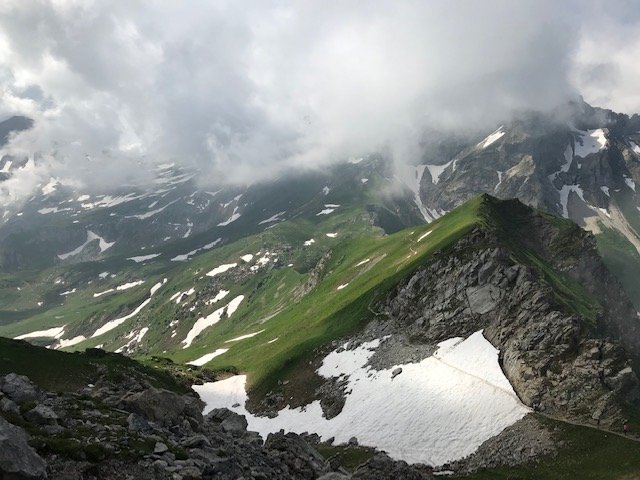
(248, 90)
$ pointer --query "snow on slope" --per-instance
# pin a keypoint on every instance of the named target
(143, 216)
(62, 343)
(144, 258)
(198, 362)
(464, 400)
(221, 269)
(110, 325)
(55, 332)
(273, 218)
(185, 256)
(124, 286)
(592, 142)
(436, 170)
(244, 337)
(564, 197)
(135, 338)
(494, 137)
(102, 245)
(205, 322)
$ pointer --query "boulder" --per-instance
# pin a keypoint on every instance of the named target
(382, 467)
(17, 459)
(42, 415)
(302, 459)
(229, 421)
(163, 406)
(19, 388)
(160, 448)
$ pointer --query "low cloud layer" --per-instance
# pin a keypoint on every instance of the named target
(247, 90)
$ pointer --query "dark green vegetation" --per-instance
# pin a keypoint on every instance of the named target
(622, 258)
(61, 371)
(587, 453)
(515, 225)
(311, 296)
(348, 457)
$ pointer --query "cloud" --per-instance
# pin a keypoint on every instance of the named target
(247, 90)
(605, 68)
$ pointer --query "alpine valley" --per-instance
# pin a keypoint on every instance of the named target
(474, 315)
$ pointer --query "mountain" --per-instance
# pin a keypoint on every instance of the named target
(577, 162)
(328, 301)
(13, 125)
(503, 320)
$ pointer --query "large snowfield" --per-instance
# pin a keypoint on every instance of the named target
(438, 410)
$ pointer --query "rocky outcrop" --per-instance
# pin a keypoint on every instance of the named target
(525, 441)
(382, 467)
(542, 296)
(131, 430)
(17, 459)
(556, 360)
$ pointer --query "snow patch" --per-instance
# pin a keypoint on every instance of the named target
(564, 197)
(219, 296)
(325, 211)
(102, 245)
(309, 242)
(184, 257)
(465, 399)
(50, 187)
(221, 269)
(331, 235)
(234, 216)
(54, 332)
(630, 183)
(244, 337)
(110, 325)
(136, 338)
(143, 216)
(363, 262)
(424, 235)
(247, 258)
(436, 170)
(492, 138)
(273, 218)
(144, 258)
(70, 342)
(198, 362)
(591, 141)
(340, 287)
(205, 322)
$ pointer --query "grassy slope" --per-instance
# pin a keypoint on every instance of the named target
(327, 313)
(621, 258)
(586, 454)
(60, 371)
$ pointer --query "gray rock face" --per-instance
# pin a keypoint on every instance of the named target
(164, 406)
(17, 459)
(382, 467)
(42, 415)
(19, 388)
(229, 421)
(125, 430)
(310, 463)
(557, 361)
(524, 441)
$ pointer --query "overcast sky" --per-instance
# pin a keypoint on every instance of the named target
(251, 88)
